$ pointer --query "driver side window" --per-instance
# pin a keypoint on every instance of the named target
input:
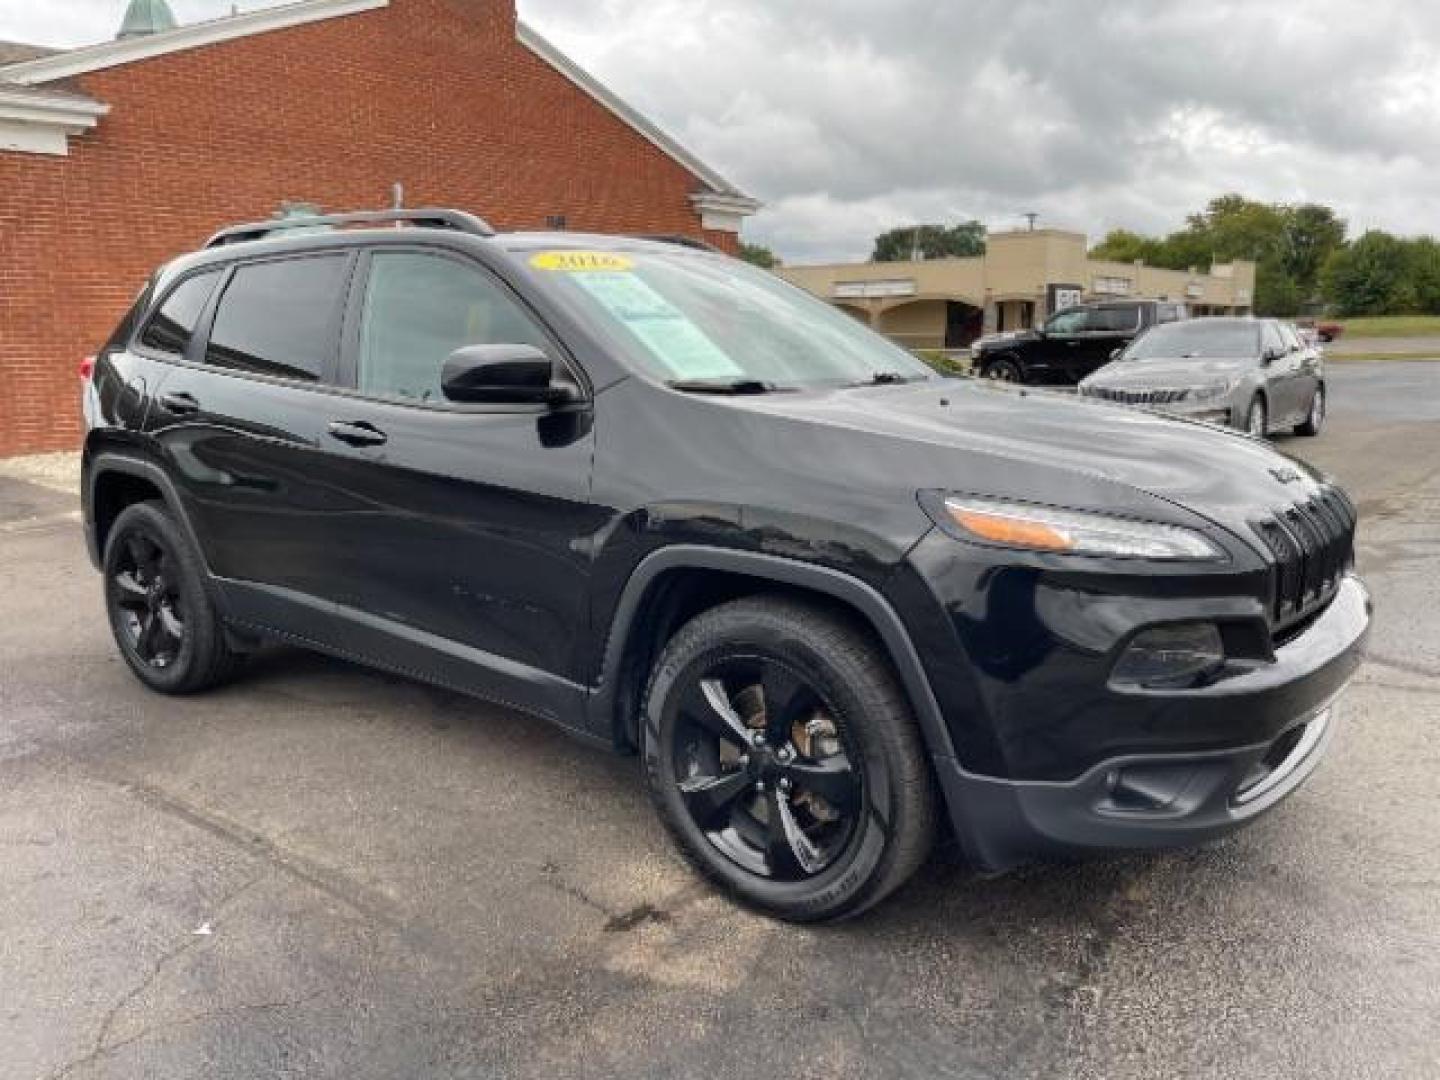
(419, 309)
(1271, 342)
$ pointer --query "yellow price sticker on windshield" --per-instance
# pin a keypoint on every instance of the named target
(581, 262)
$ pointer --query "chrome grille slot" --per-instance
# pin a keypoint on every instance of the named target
(1138, 397)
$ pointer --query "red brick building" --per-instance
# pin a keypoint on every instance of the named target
(116, 157)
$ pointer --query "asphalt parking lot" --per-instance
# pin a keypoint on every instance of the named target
(320, 871)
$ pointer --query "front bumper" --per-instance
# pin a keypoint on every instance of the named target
(1212, 410)
(1163, 800)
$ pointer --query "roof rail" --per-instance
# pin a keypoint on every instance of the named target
(682, 241)
(457, 220)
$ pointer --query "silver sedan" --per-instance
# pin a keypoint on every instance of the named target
(1254, 374)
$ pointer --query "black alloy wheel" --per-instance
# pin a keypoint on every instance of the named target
(763, 769)
(160, 611)
(783, 756)
(145, 584)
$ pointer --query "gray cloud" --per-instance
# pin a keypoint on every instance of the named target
(849, 116)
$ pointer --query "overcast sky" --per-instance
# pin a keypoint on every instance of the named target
(848, 116)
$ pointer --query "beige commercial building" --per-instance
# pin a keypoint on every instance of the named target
(1022, 278)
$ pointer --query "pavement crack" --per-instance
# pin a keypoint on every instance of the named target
(551, 877)
(629, 920)
(348, 893)
(102, 1045)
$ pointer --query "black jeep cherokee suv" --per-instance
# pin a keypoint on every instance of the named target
(673, 504)
(1072, 343)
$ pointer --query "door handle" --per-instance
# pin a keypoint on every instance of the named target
(180, 403)
(357, 433)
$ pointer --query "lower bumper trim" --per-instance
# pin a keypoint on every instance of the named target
(1134, 803)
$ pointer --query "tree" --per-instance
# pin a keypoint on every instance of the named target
(930, 242)
(1287, 244)
(1370, 276)
(1423, 270)
(1122, 245)
(759, 255)
(1313, 233)
(1276, 292)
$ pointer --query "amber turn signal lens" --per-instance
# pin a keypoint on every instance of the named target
(1014, 531)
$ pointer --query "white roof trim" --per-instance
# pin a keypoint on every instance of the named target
(725, 203)
(597, 90)
(114, 53)
(39, 108)
(38, 123)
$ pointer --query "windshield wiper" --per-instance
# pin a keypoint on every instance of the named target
(723, 386)
(889, 378)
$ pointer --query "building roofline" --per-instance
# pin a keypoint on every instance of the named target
(110, 54)
(737, 201)
(722, 196)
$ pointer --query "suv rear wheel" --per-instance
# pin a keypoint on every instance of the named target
(1004, 371)
(784, 759)
(160, 613)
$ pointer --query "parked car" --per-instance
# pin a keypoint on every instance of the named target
(1071, 344)
(683, 509)
(1326, 331)
(1257, 375)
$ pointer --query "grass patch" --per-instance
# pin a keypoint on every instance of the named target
(945, 364)
(1394, 326)
(1362, 357)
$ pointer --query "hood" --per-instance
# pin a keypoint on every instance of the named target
(1006, 337)
(1177, 374)
(975, 436)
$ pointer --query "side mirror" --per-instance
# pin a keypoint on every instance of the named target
(1271, 354)
(501, 374)
(1115, 354)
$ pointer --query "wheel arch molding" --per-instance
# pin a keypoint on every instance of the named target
(614, 703)
(102, 469)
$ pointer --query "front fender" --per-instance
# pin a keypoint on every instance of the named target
(866, 601)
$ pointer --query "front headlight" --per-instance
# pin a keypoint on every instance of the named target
(1073, 532)
(1214, 390)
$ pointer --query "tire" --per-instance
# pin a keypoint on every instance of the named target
(1315, 418)
(160, 610)
(1005, 371)
(857, 788)
(1257, 421)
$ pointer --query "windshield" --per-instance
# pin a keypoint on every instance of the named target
(1199, 339)
(687, 316)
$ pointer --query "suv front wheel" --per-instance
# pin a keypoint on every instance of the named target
(785, 761)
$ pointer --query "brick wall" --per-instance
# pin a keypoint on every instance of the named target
(435, 94)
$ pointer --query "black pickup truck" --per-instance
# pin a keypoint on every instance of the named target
(1072, 343)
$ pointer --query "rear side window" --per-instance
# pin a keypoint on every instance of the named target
(170, 328)
(1115, 319)
(418, 310)
(280, 318)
